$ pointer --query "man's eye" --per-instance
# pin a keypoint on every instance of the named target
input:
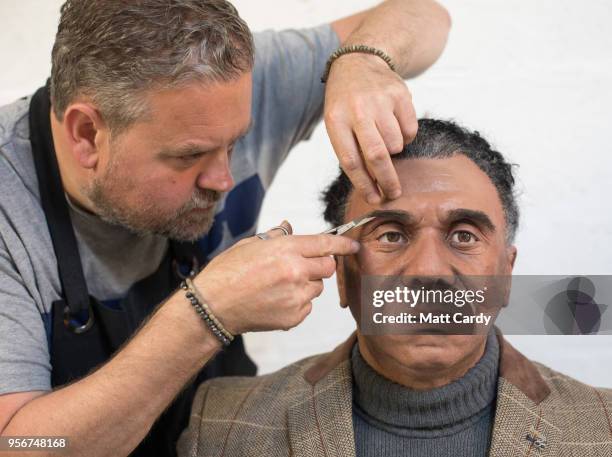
(392, 237)
(190, 157)
(463, 237)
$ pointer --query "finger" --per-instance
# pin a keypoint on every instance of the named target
(349, 156)
(378, 159)
(276, 232)
(406, 117)
(325, 245)
(307, 309)
(320, 267)
(302, 314)
(389, 129)
(313, 289)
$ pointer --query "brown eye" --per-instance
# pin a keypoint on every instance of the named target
(463, 237)
(392, 237)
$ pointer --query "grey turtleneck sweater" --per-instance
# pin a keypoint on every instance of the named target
(451, 421)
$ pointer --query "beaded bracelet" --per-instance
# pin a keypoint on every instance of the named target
(352, 49)
(205, 313)
(204, 305)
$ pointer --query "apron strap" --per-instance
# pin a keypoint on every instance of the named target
(55, 206)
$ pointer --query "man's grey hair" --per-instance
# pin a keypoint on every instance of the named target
(114, 51)
(438, 139)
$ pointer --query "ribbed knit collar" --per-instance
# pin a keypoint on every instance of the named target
(445, 409)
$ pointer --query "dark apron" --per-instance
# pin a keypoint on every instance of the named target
(85, 332)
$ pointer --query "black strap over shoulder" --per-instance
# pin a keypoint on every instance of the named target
(54, 203)
(75, 353)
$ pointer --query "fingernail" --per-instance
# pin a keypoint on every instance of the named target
(356, 246)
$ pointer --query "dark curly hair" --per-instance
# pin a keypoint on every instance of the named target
(437, 139)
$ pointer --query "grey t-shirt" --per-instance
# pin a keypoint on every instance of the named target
(287, 104)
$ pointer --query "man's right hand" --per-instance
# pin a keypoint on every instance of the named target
(255, 285)
(269, 284)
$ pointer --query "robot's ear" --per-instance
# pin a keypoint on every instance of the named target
(341, 280)
(512, 253)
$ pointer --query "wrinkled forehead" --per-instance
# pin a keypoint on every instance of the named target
(435, 187)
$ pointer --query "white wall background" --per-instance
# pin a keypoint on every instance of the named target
(534, 77)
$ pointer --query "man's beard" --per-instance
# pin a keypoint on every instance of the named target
(188, 223)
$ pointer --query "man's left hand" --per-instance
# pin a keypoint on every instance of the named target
(369, 117)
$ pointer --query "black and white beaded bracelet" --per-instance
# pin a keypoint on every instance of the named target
(206, 314)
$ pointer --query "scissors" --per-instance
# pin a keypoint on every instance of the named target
(342, 229)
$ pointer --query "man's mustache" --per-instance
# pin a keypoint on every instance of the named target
(432, 283)
(202, 199)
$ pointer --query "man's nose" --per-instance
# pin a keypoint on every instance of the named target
(427, 256)
(215, 172)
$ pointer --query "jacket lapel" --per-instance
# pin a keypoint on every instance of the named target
(321, 422)
(522, 425)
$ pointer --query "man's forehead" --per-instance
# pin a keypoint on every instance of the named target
(450, 174)
(199, 115)
(441, 184)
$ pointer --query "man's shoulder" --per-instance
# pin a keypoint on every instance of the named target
(16, 163)
(581, 414)
(19, 191)
(570, 390)
(243, 415)
(274, 38)
(14, 121)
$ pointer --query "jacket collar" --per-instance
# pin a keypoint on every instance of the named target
(320, 424)
(514, 367)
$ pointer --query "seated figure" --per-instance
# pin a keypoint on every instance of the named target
(419, 394)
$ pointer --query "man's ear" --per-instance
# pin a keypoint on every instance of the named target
(511, 253)
(341, 281)
(510, 259)
(507, 274)
(82, 124)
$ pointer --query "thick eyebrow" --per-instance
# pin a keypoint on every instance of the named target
(403, 217)
(478, 218)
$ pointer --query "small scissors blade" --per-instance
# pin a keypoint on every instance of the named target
(342, 229)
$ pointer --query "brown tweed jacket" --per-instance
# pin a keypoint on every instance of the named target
(304, 410)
